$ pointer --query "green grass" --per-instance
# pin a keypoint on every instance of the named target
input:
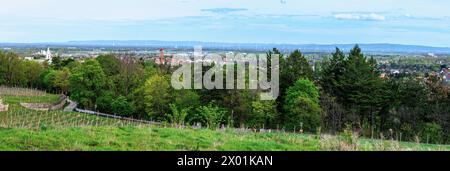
(170, 139)
(15, 100)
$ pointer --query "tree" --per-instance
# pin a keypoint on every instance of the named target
(263, 114)
(360, 87)
(431, 133)
(66, 62)
(302, 106)
(356, 84)
(109, 63)
(178, 116)
(56, 63)
(270, 55)
(11, 69)
(33, 71)
(295, 67)
(186, 98)
(125, 72)
(56, 80)
(61, 80)
(48, 79)
(333, 69)
(239, 102)
(121, 106)
(87, 82)
(292, 68)
(70, 63)
(409, 99)
(104, 102)
(130, 75)
(211, 115)
(137, 94)
(157, 96)
(333, 112)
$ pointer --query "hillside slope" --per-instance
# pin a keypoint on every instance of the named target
(169, 139)
(30, 130)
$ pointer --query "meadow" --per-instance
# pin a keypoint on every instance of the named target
(150, 138)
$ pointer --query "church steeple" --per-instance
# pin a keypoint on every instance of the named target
(48, 55)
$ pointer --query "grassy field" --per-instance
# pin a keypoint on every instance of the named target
(168, 139)
(25, 129)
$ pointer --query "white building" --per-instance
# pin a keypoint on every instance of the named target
(48, 55)
(28, 58)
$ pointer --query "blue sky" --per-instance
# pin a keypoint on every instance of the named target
(418, 22)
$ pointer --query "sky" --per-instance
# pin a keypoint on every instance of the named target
(413, 22)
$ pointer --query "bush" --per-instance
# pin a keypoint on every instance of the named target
(122, 107)
(211, 115)
(178, 116)
(348, 136)
(431, 133)
(104, 102)
(263, 113)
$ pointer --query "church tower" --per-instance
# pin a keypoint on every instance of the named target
(48, 55)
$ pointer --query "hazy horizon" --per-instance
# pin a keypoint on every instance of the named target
(218, 42)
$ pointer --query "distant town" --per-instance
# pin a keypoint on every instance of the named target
(392, 58)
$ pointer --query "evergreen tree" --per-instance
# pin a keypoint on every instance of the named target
(294, 68)
(332, 69)
(356, 83)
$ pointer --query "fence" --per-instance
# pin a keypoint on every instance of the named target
(116, 117)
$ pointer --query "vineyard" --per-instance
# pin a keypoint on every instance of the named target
(19, 117)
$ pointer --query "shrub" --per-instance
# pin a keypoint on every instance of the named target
(104, 102)
(211, 115)
(177, 116)
(263, 113)
(121, 106)
(348, 136)
(431, 133)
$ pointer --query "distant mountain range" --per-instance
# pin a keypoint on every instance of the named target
(382, 48)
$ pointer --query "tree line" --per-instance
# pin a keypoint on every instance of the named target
(343, 92)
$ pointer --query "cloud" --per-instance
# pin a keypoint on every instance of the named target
(224, 10)
(358, 16)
